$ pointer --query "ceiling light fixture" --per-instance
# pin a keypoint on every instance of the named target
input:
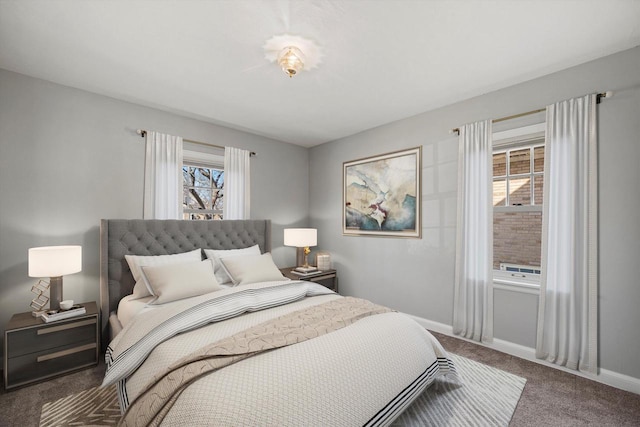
(286, 51)
(291, 60)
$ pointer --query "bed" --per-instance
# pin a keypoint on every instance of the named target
(264, 352)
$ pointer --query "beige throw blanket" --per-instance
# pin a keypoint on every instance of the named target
(159, 396)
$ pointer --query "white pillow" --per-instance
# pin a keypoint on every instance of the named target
(136, 262)
(178, 281)
(251, 269)
(217, 254)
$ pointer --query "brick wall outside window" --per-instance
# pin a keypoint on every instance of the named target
(517, 235)
(517, 238)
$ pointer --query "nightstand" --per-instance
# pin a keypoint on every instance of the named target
(328, 278)
(35, 350)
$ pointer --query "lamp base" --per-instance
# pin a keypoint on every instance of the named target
(302, 261)
(299, 257)
(55, 293)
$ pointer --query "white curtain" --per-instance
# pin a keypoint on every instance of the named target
(567, 313)
(163, 177)
(473, 291)
(237, 169)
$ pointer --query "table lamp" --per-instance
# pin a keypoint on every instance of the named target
(301, 238)
(55, 262)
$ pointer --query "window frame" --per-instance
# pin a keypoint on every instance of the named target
(507, 141)
(201, 160)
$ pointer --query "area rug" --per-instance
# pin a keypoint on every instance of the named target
(93, 407)
(486, 396)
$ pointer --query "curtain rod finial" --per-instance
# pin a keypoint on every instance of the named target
(141, 132)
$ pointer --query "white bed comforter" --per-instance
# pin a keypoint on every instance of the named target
(363, 374)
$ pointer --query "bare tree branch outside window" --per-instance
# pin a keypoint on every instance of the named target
(203, 192)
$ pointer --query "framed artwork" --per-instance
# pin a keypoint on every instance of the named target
(381, 195)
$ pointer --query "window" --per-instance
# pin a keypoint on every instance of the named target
(518, 176)
(203, 186)
(518, 181)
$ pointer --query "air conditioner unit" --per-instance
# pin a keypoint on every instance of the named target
(519, 268)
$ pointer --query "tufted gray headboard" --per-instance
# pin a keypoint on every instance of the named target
(120, 237)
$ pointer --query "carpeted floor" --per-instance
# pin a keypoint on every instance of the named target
(550, 397)
(21, 407)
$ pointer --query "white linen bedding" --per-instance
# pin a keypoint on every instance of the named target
(131, 305)
(363, 374)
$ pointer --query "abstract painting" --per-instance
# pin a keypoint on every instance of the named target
(382, 195)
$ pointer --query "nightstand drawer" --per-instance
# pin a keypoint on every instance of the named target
(327, 282)
(50, 336)
(43, 364)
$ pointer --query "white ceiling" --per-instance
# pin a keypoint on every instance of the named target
(383, 60)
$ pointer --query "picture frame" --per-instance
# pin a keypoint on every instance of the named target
(382, 195)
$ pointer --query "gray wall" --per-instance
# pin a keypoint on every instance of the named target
(416, 276)
(69, 158)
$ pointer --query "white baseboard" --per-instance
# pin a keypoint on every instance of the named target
(605, 376)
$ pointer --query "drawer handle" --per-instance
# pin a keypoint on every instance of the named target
(66, 352)
(66, 326)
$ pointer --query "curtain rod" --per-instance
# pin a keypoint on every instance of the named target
(607, 94)
(143, 133)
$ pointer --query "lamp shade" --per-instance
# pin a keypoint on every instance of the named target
(54, 261)
(300, 237)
